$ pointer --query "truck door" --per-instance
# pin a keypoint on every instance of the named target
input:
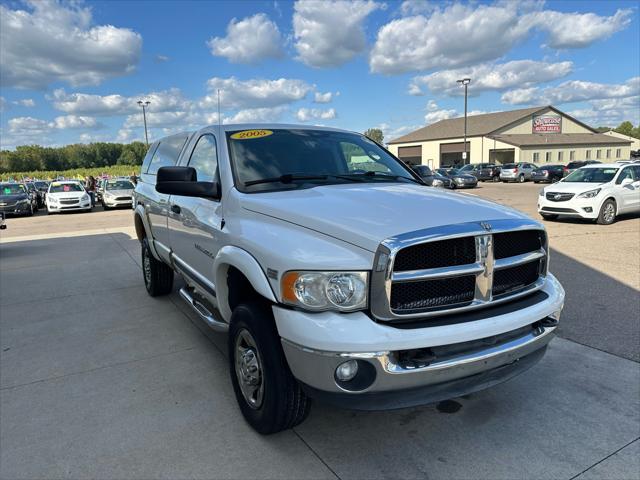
(195, 223)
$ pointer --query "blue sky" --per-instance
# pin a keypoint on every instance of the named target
(72, 71)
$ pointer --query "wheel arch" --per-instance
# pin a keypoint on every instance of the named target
(230, 260)
(143, 229)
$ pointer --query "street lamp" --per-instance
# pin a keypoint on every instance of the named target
(465, 82)
(144, 106)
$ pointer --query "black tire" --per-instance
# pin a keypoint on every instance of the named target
(536, 181)
(522, 179)
(104, 206)
(282, 404)
(607, 214)
(30, 212)
(549, 216)
(158, 276)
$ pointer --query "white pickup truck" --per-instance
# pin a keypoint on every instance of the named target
(337, 274)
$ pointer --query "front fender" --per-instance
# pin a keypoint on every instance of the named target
(143, 229)
(231, 256)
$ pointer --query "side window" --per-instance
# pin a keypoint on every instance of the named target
(626, 173)
(167, 153)
(147, 157)
(204, 158)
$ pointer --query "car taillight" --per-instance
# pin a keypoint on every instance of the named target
(515, 170)
(565, 168)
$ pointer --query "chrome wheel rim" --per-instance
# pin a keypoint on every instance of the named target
(146, 266)
(249, 369)
(609, 213)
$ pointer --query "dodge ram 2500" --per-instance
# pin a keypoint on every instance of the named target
(337, 274)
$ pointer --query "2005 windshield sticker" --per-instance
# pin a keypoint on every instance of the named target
(251, 134)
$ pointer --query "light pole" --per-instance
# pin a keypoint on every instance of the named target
(144, 106)
(465, 82)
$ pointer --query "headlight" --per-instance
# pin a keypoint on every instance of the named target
(590, 193)
(541, 193)
(436, 182)
(85, 197)
(51, 199)
(344, 291)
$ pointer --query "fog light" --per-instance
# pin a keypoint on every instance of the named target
(347, 370)
(588, 209)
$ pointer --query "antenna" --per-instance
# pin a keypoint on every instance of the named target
(219, 119)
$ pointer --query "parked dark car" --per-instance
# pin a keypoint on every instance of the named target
(34, 193)
(548, 173)
(16, 200)
(430, 177)
(573, 166)
(458, 180)
(482, 171)
(42, 187)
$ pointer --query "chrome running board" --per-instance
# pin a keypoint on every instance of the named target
(203, 312)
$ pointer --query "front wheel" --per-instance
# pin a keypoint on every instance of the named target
(607, 213)
(521, 179)
(270, 398)
(158, 276)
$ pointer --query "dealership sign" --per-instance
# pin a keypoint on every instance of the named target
(547, 124)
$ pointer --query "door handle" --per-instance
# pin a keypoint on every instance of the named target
(175, 209)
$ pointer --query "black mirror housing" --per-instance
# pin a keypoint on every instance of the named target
(184, 181)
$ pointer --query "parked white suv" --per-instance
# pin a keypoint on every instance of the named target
(600, 192)
(337, 274)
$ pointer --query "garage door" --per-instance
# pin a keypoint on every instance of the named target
(451, 154)
(411, 155)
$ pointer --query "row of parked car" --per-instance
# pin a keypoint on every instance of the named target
(26, 198)
(469, 175)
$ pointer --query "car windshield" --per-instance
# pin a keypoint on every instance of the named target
(279, 159)
(118, 185)
(11, 189)
(591, 175)
(454, 171)
(466, 168)
(443, 171)
(65, 187)
(42, 185)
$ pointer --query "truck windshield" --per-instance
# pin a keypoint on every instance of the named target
(284, 159)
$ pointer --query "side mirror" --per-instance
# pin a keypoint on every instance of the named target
(626, 181)
(184, 181)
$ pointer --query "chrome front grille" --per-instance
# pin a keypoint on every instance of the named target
(559, 197)
(458, 267)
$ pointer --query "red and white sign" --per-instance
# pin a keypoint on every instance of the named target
(547, 124)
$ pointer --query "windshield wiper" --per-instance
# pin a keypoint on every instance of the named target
(292, 177)
(386, 176)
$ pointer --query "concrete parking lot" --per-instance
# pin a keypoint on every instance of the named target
(98, 380)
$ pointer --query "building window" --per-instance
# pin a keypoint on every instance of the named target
(547, 157)
(536, 157)
(598, 154)
(618, 152)
(572, 155)
(588, 155)
(608, 153)
(560, 156)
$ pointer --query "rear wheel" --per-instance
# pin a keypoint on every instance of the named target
(521, 179)
(158, 276)
(607, 213)
(270, 398)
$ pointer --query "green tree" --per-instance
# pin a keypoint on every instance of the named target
(626, 128)
(375, 134)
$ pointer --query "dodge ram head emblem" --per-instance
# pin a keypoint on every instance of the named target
(487, 226)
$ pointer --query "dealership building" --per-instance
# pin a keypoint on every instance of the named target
(538, 135)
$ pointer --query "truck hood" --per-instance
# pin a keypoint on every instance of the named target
(364, 215)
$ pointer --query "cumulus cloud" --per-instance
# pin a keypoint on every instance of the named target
(572, 91)
(256, 115)
(435, 113)
(104, 105)
(610, 112)
(323, 97)
(491, 76)
(308, 114)
(54, 42)
(465, 34)
(248, 40)
(26, 102)
(330, 33)
(255, 93)
(35, 126)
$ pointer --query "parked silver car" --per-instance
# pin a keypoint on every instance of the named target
(517, 172)
(117, 192)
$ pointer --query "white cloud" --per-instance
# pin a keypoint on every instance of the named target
(74, 121)
(417, 7)
(465, 34)
(610, 112)
(161, 58)
(578, 30)
(391, 133)
(323, 97)
(33, 126)
(435, 113)
(491, 76)
(248, 40)
(54, 42)
(330, 33)
(307, 114)
(104, 105)
(26, 102)
(255, 93)
(572, 91)
(256, 115)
